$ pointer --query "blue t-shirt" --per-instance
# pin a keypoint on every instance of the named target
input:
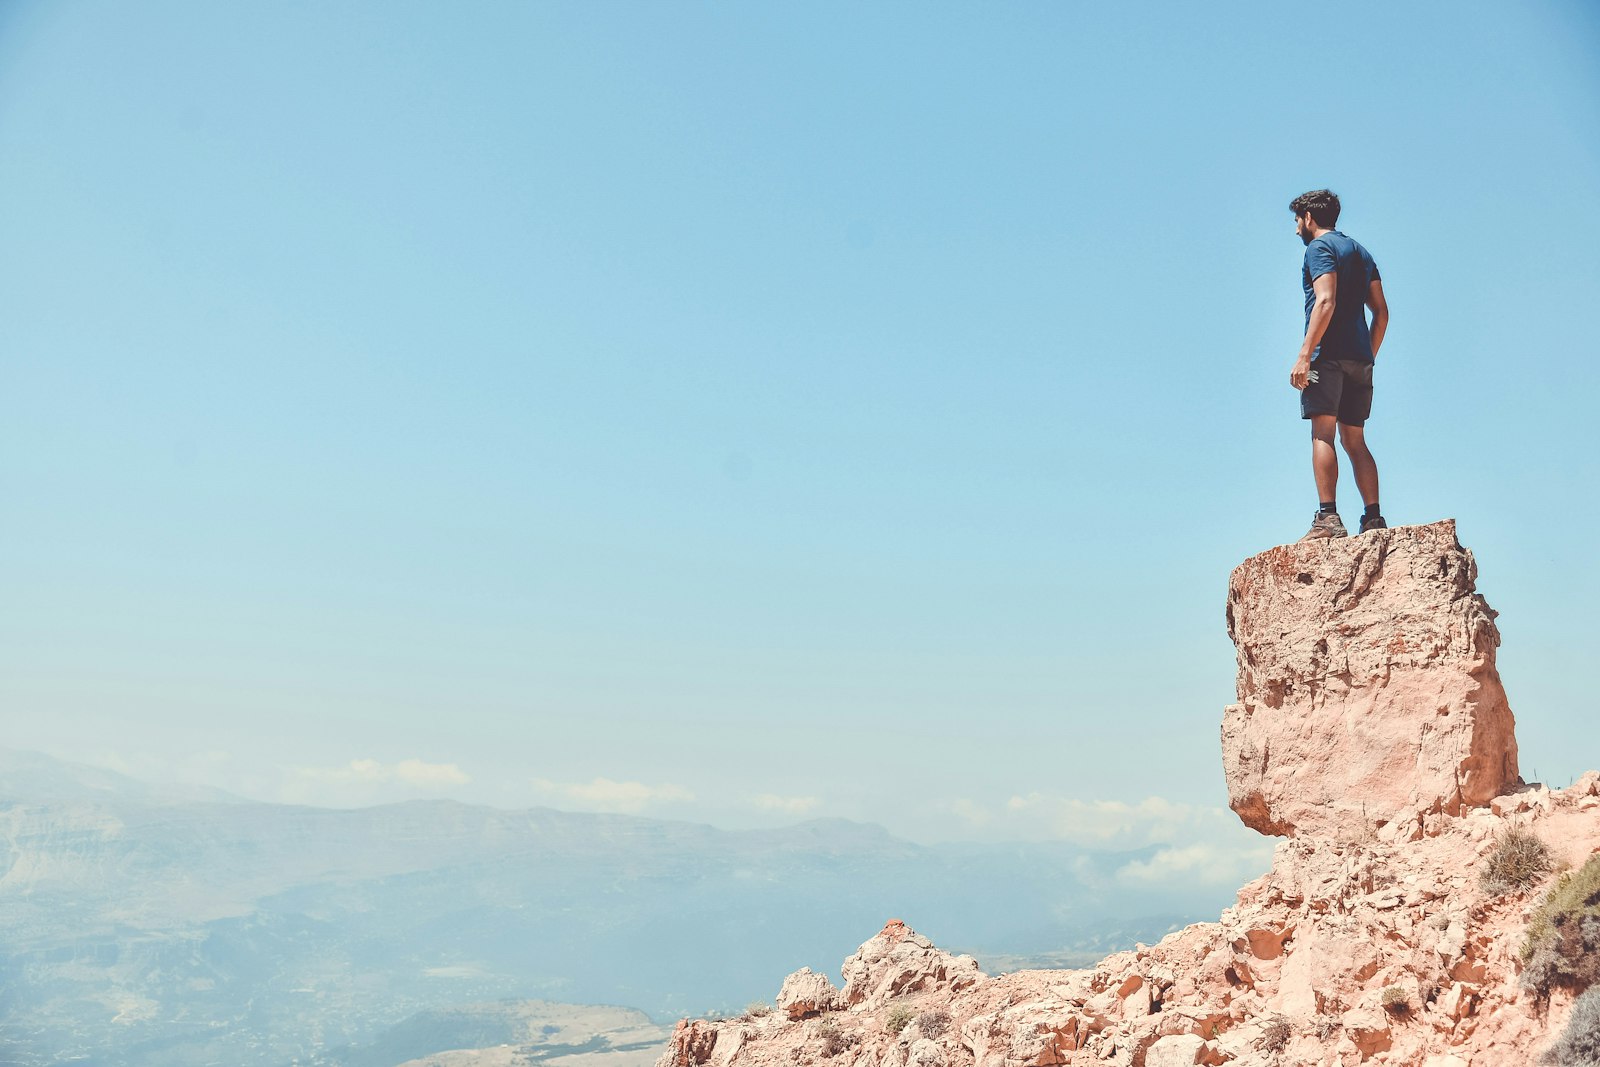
(1347, 336)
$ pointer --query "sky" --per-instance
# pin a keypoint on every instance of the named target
(751, 412)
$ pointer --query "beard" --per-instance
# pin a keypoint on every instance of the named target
(1305, 236)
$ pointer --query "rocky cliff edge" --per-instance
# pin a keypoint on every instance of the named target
(1373, 734)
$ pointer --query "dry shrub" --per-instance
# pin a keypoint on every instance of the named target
(934, 1024)
(1579, 1043)
(899, 1017)
(1518, 861)
(1562, 948)
(1396, 1001)
(1275, 1035)
(833, 1039)
(1325, 1027)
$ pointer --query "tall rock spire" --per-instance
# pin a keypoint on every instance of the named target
(1368, 694)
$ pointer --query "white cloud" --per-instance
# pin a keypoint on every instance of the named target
(1194, 844)
(971, 812)
(1098, 823)
(1203, 863)
(357, 770)
(786, 805)
(414, 772)
(603, 794)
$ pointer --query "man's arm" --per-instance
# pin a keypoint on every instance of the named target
(1380, 313)
(1323, 289)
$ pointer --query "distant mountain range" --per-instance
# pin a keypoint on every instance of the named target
(142, 926)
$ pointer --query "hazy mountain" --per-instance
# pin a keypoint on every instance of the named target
(144, 927)
(35, 778)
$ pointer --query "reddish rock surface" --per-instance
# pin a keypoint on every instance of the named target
(1366, 671)
(1367, 685)
(805, 992)
(900, 961)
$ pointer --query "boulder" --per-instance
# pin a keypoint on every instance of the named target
(805, 992)
(898, 961)
(1181, 1050)
(1367, 688)
(693, 1041)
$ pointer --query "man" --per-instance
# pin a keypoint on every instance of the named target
(1334, 369)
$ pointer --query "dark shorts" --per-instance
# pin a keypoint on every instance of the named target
(1343, 388)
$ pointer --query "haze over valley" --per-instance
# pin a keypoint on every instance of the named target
(148, 927)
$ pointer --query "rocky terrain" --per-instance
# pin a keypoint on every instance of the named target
(1371, 733)
(146, 926)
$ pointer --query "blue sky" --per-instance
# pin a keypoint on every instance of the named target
(745, 412)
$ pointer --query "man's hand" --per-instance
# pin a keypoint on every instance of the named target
(1380, 314)
(1300, 376)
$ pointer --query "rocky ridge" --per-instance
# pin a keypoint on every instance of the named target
(1372, 733)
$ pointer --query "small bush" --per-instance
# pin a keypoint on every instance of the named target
(934, 1024)
(834, 1040)
(1275, 1036)
(899, 1017)
(1562, 947)
(1395, 1000)
(1518, 861)
(1579, 1043)
(756, 1009)
(1325, 1027)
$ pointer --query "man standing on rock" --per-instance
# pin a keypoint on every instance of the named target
(1334, 369)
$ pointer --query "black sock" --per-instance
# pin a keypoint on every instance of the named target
(1372, 511)
(1328, 507)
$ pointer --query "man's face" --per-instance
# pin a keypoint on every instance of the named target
(1303, 228)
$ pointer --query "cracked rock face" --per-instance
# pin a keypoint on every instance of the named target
(1368, 695)
(805, 992)
(899, 961)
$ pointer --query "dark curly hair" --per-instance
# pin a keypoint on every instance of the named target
(1323, 205)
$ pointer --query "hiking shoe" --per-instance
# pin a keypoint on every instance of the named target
(1326, 524)
(1373, 522)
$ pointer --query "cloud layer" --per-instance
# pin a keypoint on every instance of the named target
(785, 805)
(413, 772)
(604, 794)
(1200, 845)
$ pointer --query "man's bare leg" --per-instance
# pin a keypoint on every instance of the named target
(1324, 460)
(1362, 465)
